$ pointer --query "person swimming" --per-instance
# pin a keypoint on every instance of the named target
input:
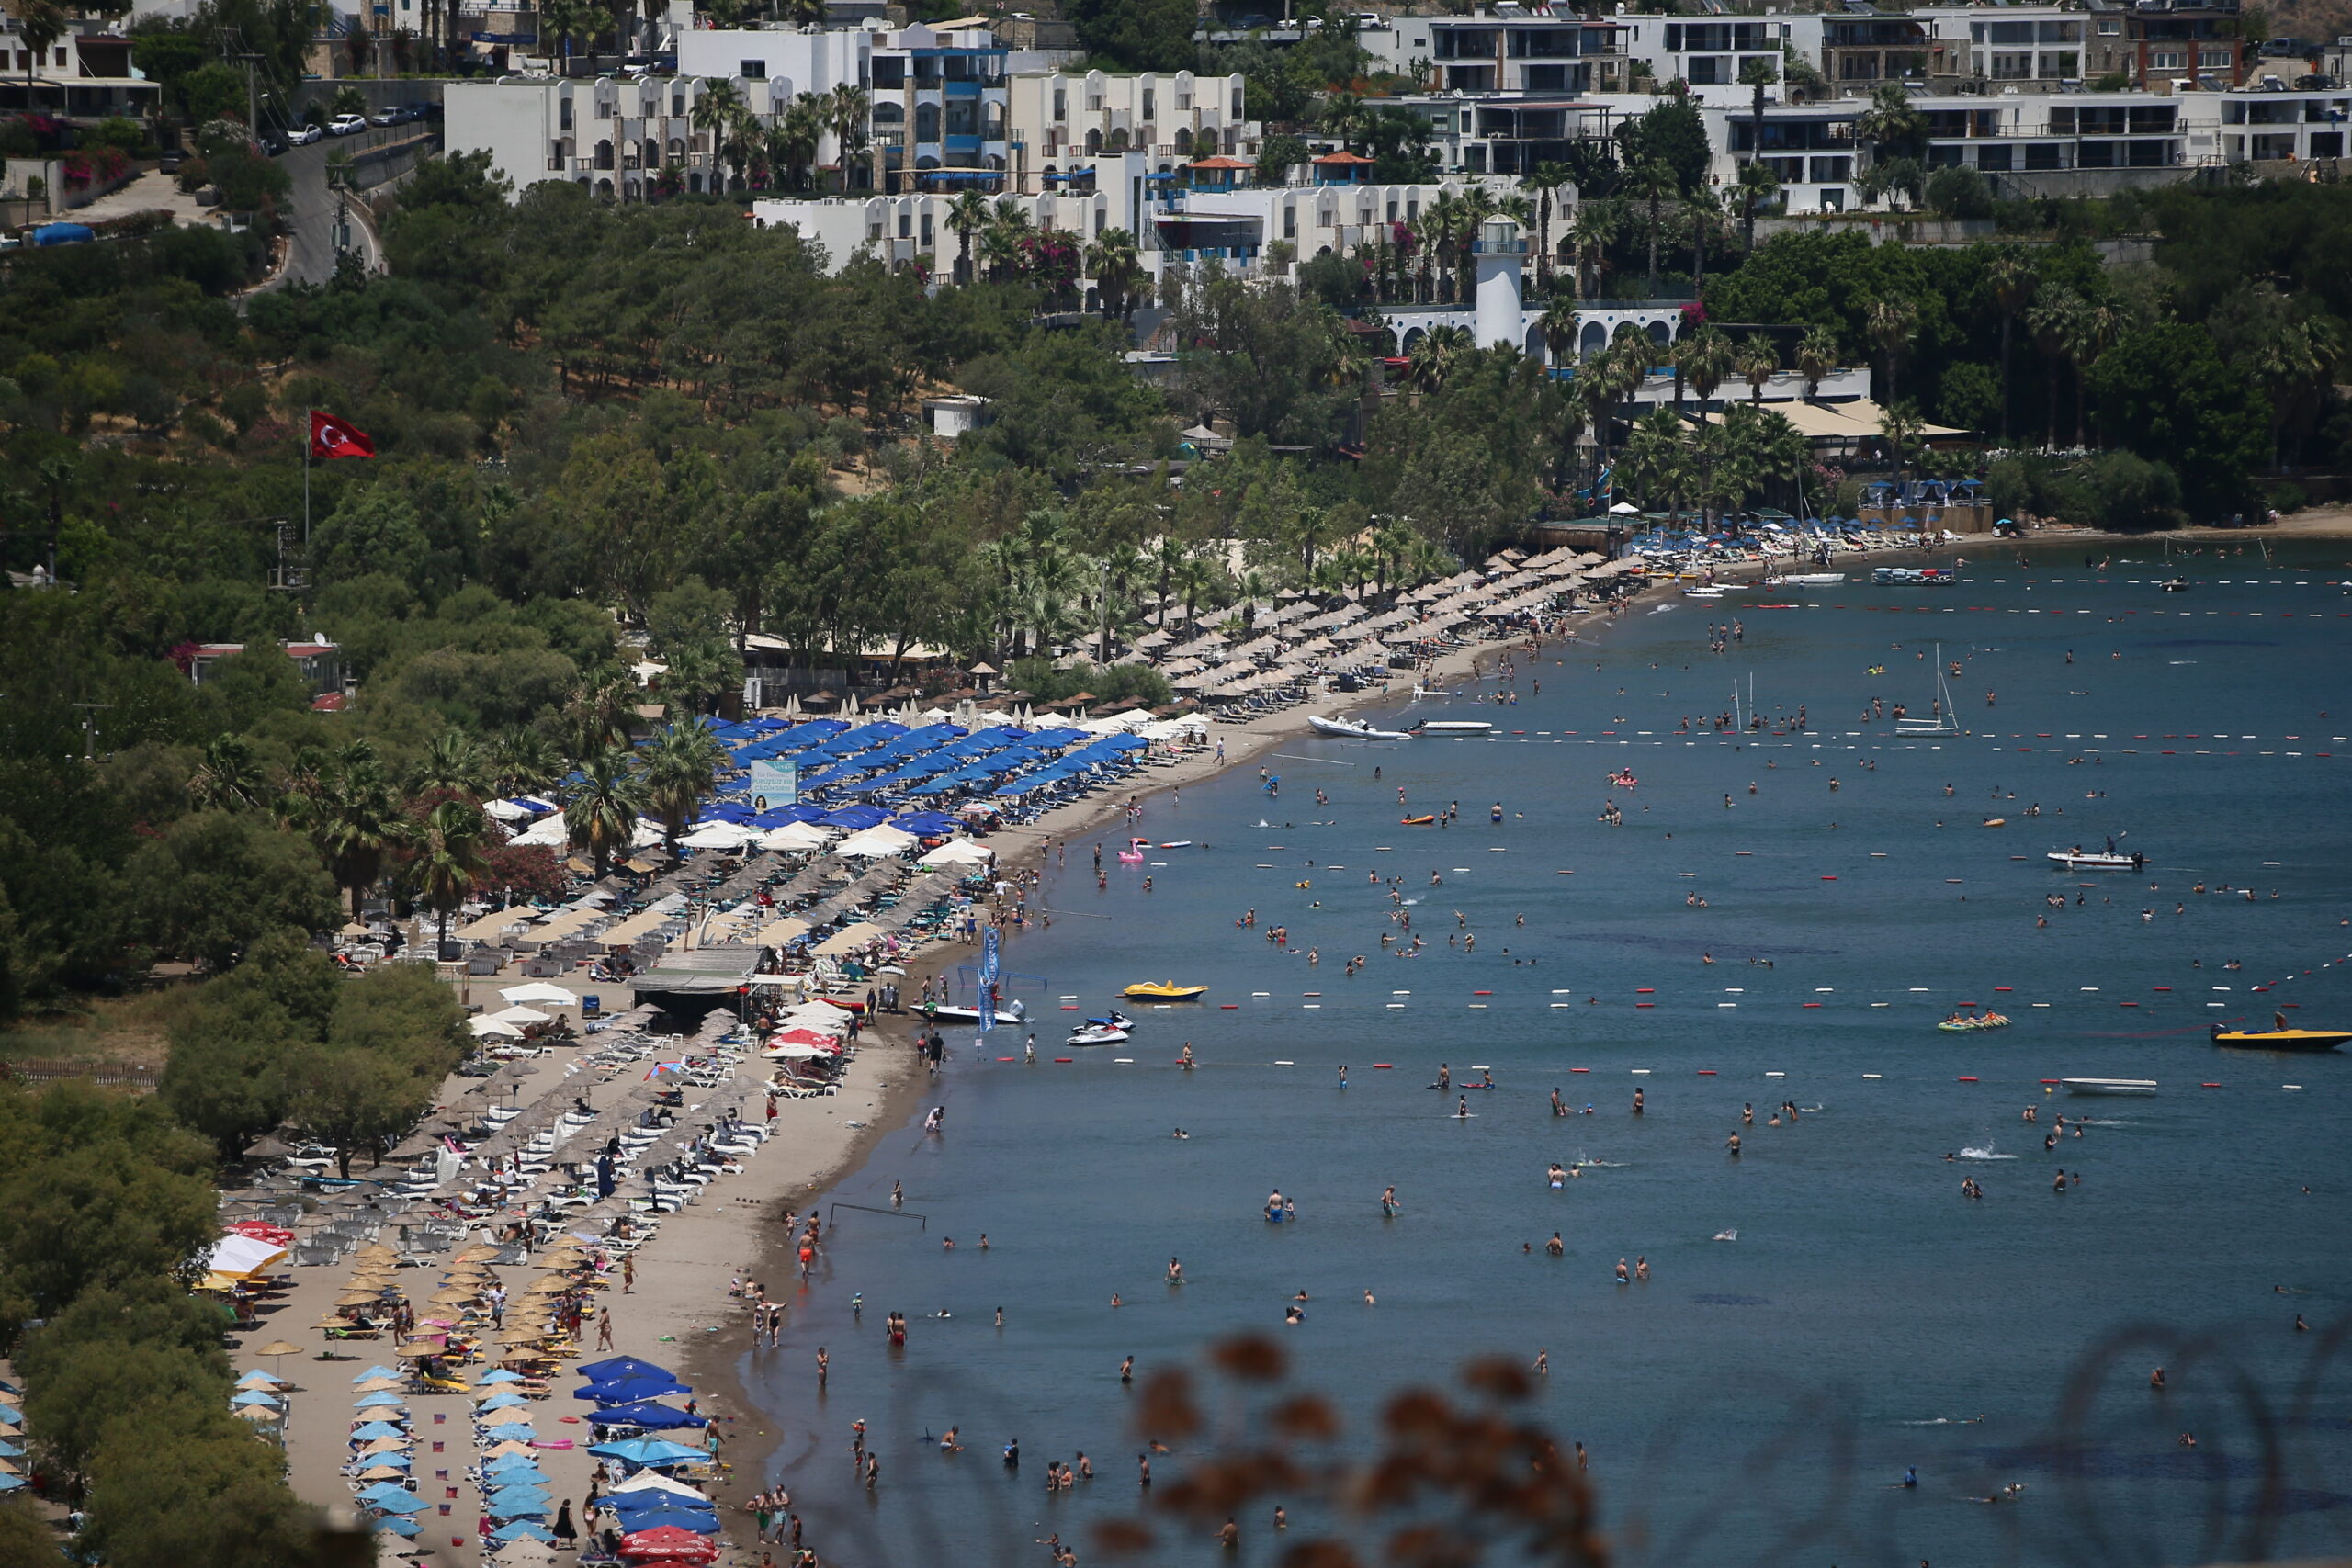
(1557, 1176)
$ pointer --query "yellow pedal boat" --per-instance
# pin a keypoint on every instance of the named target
(2281, 1038)
(1164, 991)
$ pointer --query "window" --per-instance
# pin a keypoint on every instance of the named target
(889, 71)
(2044, 155)
(906, 225)
(926, 231)
(1290, 221)
(1183, 100)
(1150, 102)
(2012, 67)
(2060, 65)
(1703, 70)
(1993, 160)
(1061, 106)
(752, 70)
(1235, 112)
(2214, 60)
(563, 114)
(1546, 79)
(604, 108)
(2168, 59)
(678, 105)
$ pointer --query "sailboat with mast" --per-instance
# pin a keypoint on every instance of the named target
(1944, 719)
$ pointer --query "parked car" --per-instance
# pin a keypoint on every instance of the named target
(170, 162)
(424, 110)
(271, 143)
(303, 135)
(385, 117)
(347, 125)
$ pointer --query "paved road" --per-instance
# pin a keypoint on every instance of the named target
(311, 206)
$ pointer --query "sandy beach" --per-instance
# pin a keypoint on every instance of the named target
(679, 1313)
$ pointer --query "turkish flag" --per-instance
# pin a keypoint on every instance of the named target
(333, 437)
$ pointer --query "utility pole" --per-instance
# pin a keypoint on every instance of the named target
(89, 729)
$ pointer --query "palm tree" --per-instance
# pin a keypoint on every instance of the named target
(449, 861)
(2051, 318)
(521, 760)
(452, 763)
(1594, 224)
(1706, 211)
(716, 109)
(847, 112)
(1560, 325)
(681, 771)
(1345, 116)
(602, 811)
(2012, 279)
(1117, 268)
(1440, 220)
(1436, 355)
(1891, 322)
(967, 215)
(1817, 358)
(796, 137)
(1705, 357)
(226, 780)
(1757, 363)
(2289, 357)
(1657, 464)
(1757, 72)
(360, 822)
(1889, 121)
(1757, 184)
(1766, 442)
(1544, 181)
(2092, 331)
(1899, 424)
(1652, 180)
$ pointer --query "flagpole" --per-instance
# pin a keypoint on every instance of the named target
(306, 480)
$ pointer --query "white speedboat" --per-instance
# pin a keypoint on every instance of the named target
(1914, 576)
(2108, 1086)
(2097, 859)
(1007, 1011)
(1453, 727)
(1355, 728)
(1807, 579)
(1098, 1034)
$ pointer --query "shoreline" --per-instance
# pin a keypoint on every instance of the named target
(713, 1362)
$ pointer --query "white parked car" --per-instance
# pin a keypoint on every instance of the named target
(347, 125)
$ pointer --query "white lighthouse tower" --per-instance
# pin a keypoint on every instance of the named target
(1497, 256)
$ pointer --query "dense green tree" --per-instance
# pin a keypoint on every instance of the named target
(214, 884)
(1672, 134)
(95, 1191)
(2164, 393)
(1136, 35)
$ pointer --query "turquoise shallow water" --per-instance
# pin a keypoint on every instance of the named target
(1754, 1397)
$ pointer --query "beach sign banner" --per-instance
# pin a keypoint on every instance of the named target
(773, 784)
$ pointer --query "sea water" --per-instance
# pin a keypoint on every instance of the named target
(1761, 1393)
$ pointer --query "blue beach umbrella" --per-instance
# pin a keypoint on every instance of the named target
(646, 1450)
(373, 1372)
(405, 1503)
(383, 1491)
(695, 1520)
(255, 1396)
(9, 1483)
(648, 1414)
(511, 1462)
(500, 1376)
(620, 1367)
(521, 1529)
(517, 1502)
(629, 1389)
(511, 1432)
(500, 1401)
(375, 1429)
(396, 1524)
(378, 1402)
